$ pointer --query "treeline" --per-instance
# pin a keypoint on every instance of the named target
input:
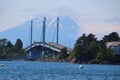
(10, 51)
(88, 49)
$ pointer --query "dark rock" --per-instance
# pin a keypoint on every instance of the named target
(74, 60)
(84, 62)
(94, 61)
(106, 62)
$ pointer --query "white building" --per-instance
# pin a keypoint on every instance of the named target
(115, 46)
(116, 49)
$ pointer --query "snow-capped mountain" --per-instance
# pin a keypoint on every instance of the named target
(67, 31)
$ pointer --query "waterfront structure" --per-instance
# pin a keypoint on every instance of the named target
(115, 46)
(39, 49)
(116, 49)
(3, 42)
(51, 49)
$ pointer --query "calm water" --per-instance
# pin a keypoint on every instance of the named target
(21, 70)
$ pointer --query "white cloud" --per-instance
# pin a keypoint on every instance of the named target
(16, 15)
(63, 11)
(99, 29)
(15, 12)
(96, 26)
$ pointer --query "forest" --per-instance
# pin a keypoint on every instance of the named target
(10, 51)
(88, 49)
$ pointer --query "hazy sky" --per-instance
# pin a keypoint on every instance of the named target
(96, 16)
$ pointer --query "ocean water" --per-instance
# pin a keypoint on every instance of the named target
(25, 70)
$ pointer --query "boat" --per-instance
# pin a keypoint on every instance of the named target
(1, 65)
(81, 66)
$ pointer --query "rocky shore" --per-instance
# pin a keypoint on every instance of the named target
(52, 60)
(74, 61)
(94, 61)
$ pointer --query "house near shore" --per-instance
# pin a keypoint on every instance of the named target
(3, 42)
(115, 46)
(51, 49)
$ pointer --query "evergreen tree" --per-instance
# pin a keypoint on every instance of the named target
(105, 55)
(93, 49)
(111, 37)
(84, 48)
(91, 38)
(8, 50)
(63, 53)
(18, 45)
(9, 44)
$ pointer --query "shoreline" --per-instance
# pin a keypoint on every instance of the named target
(77, 62)
(64, 61)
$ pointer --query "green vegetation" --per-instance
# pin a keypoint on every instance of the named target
(10, 51)
(88, 49)
(111, 37)
(63, 54)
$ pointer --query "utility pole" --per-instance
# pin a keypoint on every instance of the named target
(57, 30)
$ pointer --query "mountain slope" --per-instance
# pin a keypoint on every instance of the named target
(67, 31)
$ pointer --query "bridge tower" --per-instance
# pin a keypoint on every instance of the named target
(43, 39)
(57, 30)
(31, 35)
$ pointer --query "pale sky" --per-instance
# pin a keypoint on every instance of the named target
(92, 16)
